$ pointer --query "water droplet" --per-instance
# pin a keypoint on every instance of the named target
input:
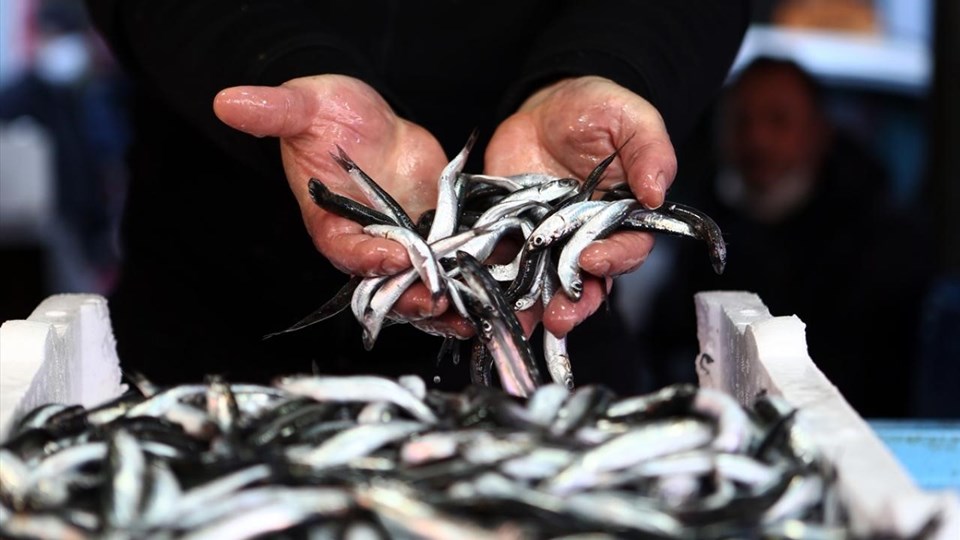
(436, 379)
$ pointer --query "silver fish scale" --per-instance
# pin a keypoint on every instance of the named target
(477, 464)
(547, 210)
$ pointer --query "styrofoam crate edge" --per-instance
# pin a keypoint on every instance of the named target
(750, 352)
(64, 352)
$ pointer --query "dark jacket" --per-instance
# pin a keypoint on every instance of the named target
(215, 252)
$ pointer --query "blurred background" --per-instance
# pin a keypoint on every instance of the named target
(826, 161)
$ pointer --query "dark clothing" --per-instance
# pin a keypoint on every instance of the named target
(851, 268)
(216, 254)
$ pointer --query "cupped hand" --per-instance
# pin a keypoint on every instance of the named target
(312, 116)
(567, 128)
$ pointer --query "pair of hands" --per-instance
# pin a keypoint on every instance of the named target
(564, 129)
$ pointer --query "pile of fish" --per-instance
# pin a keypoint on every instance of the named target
(365, 457)
(449, 246)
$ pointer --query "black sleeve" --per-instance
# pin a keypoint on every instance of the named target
(675, 53)
(185, 51)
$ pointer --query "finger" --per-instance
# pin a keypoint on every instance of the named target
(417, 303)
(346, 246)
(563, 314)
(617, 254)
(448, 324)
(530, 318)
(264, 110)
(651, 166)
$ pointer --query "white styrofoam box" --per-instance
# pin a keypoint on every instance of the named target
(746, 351)
(64, 352)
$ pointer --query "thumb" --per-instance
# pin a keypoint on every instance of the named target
(264, 110)
(650, 167)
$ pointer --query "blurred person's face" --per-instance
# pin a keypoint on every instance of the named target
(772, 129)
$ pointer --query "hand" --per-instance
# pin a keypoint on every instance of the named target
(311, 116)
(565, 129)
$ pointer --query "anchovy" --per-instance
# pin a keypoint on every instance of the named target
(422, 257)
(656, 439)
(706, 229)
(37, 417)
(734, 434)
(448, 205)
(555, 348)
(285, 510)
(41, 527)
(382, 302)
(508, 208)
(562, 224)
(434, 446)
(388, 290)
(599, 226)
(541, 274)
(481, 362)
(579, 407)
(500, 331)
(675, 399)
(626, 512)
(354, 443)
(330, 308)
(380, 199)
(163, 495)
(508, 272)
(357, 388)
(127, 488)
(510, 183)
(399, 507)
(345, 207)
(222, 405)
(205, 494)
(544, 405)
(539, 464)
(645, 220)
(377, 412)
(360, 301)
(14, 477)
(532, 196)
(592, 181)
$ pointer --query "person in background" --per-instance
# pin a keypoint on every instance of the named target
(239, 103)
(811, 229)
(75, 95)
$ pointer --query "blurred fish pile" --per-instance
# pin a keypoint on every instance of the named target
(450, 245)
(366, 457)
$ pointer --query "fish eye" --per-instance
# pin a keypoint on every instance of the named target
(486, 327)
(538, 240)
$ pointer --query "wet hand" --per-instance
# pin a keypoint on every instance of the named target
(565, 129)
(312, 116)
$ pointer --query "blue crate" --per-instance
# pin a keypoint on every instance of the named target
(928, 449)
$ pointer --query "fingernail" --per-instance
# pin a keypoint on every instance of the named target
(392, 265)
(660, 184)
